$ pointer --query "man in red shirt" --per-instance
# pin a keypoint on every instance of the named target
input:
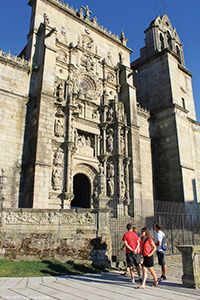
(132, 244)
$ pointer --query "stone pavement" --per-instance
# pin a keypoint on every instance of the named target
(112, 285)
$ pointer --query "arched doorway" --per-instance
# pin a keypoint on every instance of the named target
(82, 191)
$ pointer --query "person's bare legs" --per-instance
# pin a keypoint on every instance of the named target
(153, 273)
(144, 279)
(132, 274)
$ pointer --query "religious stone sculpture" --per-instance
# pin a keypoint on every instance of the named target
(110, 187)
(56, 178)
(110, 114)
(59, 128)
(58, 158)
(110, 140)
(120, 112)
(60, 92)
(110, 170)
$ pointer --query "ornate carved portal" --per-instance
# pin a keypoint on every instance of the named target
(90, 131)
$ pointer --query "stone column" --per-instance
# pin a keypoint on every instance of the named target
(191, 265)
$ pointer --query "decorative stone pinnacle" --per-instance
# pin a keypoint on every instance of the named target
(123, 38)
(88, 12)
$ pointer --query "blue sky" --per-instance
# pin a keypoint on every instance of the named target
(133, 16)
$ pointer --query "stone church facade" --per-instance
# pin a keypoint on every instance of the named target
(83, 127)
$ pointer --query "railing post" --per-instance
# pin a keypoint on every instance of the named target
(183, 228)
(172, 238)
(193, 242)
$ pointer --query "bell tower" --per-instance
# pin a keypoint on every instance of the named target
(164, 88)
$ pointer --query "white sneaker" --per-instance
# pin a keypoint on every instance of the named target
(133, 280)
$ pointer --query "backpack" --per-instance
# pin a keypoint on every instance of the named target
(164, 243)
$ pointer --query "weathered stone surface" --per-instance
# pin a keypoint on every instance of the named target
(191, 265)
(63, 234)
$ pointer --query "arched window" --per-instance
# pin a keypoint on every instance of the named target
(169, 40)
(162, 45)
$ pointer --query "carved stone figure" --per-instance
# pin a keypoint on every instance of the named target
(58, 158)
(110, 115)
(122, 142)
(60, 92)
(101, 169)
(120, 112)
(56, 178)
(110, 141)
(110, 187)
(110, 170)
(70, 84)
(95, 114)
(105, 97)
(123, 188)
(59, 128)
(75, 87)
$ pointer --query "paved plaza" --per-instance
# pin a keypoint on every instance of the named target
(112, 285)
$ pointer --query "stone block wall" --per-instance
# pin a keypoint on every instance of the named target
(14, 83)
(62, 234)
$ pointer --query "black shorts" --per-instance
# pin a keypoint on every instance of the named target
(131, 260)
(161, 258)
(148, 261)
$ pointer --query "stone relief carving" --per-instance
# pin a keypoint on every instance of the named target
(86, 218)
(32, 217)
(110, 77)
(61, 35)
(56, 218)
(87, 84)
(109, 59)
(62, 55)
(59, 127)
(87, 43)
(84, 143)
(87, 62)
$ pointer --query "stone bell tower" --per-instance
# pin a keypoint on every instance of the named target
(164, 87)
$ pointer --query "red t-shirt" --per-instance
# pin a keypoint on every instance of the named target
(146, 247)
(132, 240)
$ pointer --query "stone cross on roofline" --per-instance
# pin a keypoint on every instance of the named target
(88, 12)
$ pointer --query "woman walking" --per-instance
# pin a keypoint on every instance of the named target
(148, 248)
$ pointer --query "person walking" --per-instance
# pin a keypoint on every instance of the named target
(161, 248)
(132, 244)
(148, 248)
(137, 255)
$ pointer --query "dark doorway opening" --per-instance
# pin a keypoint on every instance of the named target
(82, 191)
